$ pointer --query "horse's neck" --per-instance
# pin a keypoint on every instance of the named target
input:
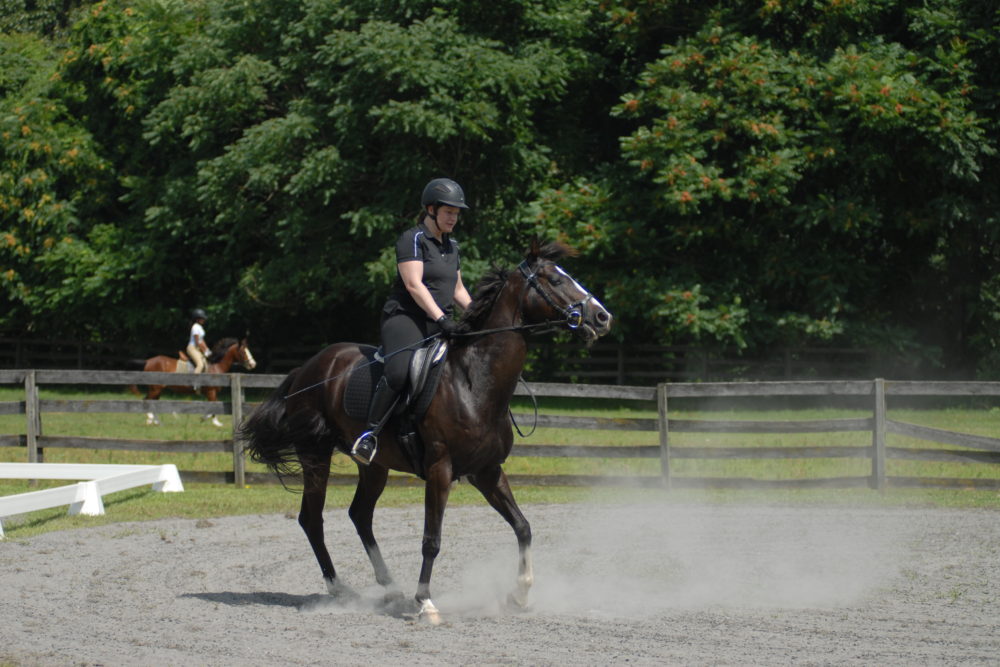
(500, 356)
(223, 365)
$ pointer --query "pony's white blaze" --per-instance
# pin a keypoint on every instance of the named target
(251, 362)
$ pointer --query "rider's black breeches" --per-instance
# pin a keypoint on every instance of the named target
(400, 331)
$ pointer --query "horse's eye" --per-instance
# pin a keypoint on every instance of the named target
(555, 280)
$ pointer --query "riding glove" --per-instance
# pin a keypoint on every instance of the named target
(448, 326)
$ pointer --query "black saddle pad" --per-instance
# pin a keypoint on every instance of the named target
(365, 374)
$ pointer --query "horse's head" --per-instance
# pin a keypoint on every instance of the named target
(552, 295)
(244, 357)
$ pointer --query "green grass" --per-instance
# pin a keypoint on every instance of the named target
(206, 500)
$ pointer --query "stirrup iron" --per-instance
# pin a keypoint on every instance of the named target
(364, 457)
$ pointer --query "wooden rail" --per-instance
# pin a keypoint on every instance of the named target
(976, 448)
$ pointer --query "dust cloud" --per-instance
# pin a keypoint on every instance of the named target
(644, 560)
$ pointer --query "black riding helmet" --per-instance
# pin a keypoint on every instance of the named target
(443, 192)
(198, 314)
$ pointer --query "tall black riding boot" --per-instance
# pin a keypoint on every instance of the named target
(384, 400)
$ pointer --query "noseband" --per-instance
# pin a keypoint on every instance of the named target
(573, 313)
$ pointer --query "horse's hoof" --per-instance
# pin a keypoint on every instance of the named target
(517, 603)
(394, 603)
(340, 590)
(216, 422)
(429, 613)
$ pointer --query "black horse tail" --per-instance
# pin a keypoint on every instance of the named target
(273, 437)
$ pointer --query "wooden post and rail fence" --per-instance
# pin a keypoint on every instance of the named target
(974, 448)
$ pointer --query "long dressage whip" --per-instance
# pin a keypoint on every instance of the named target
(420, 342)
(370, 363)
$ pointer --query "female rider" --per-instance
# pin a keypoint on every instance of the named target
(428, 284)
(197, 348)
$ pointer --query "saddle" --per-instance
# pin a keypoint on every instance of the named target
(184, 365)
(424, 375)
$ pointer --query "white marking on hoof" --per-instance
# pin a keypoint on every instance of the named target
(429, 613)
(518, 598)
(524, 581)
(215, 420)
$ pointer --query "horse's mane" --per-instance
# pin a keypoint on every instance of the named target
(220, 347)
(486, 293)
(488, 289)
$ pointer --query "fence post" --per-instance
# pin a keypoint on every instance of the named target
(239, 462)
(664, 424)
(878, 437)
(32, 418)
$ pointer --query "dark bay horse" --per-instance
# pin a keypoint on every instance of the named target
(227, 351)
(466, 430)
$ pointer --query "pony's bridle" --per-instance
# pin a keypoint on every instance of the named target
(572, 313)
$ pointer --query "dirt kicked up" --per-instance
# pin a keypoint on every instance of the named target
(650, 584)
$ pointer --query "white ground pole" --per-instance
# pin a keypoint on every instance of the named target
(83, 497)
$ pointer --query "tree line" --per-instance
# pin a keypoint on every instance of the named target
(733, 174)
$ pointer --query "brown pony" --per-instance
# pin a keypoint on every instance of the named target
(466, 430)
(228, 351)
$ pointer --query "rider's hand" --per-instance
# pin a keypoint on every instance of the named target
(448, 326)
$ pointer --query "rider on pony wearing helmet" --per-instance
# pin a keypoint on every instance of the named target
(428, 285)
(197, 349)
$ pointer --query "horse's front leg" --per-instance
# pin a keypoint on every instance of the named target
(152, 394)
(435, 499)
(495, 488)
(213, 418)
(371, 484)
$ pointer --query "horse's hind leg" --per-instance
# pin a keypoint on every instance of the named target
(494, 487)
(314, 476)
(371, 483)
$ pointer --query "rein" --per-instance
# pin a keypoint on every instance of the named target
(552, 324)
(534, 402)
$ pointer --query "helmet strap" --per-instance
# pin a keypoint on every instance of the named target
(433, 216)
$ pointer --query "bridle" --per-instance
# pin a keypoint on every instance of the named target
(572, 313)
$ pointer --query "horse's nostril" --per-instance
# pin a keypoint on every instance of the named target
(602, 316)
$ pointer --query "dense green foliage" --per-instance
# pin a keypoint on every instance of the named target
(733, 173)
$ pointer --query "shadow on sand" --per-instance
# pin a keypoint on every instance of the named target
(393, 604)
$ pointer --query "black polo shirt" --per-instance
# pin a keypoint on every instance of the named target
(441, 267)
